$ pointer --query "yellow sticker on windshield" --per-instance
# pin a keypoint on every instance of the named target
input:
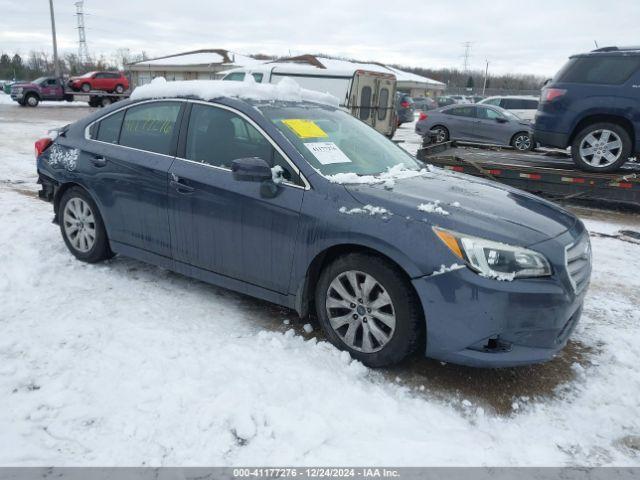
(305, 128)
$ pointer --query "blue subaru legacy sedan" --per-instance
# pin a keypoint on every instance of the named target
(276, 192)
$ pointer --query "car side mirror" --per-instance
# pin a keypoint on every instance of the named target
(252, 169)
(501, 120)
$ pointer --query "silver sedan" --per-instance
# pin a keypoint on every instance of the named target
(481, 124)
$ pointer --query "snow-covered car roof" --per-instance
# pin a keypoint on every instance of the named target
(287, 90)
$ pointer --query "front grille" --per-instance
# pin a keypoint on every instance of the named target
(578, 262)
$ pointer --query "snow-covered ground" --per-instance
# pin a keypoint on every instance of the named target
(122, 363)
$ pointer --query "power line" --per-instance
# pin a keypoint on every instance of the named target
(83, 50)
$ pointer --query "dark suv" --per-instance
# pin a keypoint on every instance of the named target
(593, 105)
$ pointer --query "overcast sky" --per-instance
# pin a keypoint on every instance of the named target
(534, 36)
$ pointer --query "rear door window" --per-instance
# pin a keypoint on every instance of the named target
(605, 70)
(150, 127)
(109, 128)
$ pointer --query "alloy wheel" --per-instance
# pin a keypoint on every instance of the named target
(360, 311)
(522, 142)
(441, 134)
(79, 224)
(601, 148)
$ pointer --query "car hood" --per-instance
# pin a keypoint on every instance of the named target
(469, 205)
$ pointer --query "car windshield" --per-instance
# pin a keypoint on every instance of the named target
(39, 80)
(334, 142)
(87, 75)
(510, 115)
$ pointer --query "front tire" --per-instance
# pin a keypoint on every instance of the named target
(522, 142)
(82, 227)
(85, 87)
(32, 100)
(601, 147)
(367, 307)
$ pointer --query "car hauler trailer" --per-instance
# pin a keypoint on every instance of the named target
(51, 89)
(550, 176)
(367, 91)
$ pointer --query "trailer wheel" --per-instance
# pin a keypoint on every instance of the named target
(119, 88)
(85, 87)
(601, 147)
(522, 142)
(32, 100)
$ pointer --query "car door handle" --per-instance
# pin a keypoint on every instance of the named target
(99, 161)
(180, 186)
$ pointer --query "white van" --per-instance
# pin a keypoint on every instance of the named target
(524, 106)
(367, 91)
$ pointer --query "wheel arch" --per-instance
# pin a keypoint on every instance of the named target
(33, 93)
(602, 117)
(513, 137)
(306, 288)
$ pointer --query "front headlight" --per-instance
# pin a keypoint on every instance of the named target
(18, 90)
(495, 259)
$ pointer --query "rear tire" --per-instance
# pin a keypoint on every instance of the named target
(522, 142)
(82, 227)
(119, 88)
(601, 147)
(442, 133)
(383, 307)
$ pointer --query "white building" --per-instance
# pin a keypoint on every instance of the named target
(195, 65)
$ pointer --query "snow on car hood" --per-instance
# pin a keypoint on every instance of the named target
(286, 90)
(469, 205)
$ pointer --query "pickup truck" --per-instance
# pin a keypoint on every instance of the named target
(30, 94)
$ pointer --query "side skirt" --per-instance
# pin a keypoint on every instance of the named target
(204, 275)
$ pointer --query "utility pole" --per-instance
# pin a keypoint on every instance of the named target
(486, 74)
(83, 50)
(56, 64)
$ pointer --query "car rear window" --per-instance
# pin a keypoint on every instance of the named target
(606, 70)
(109, 128)
(150, 127)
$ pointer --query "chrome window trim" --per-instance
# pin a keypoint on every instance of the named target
(306, 186)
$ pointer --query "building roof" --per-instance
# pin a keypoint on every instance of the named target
(199, 58)
(298, 64)
(409, 77)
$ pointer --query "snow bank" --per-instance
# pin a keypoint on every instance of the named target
(286, 90)
(5, 99)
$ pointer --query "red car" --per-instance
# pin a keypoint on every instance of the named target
(105, 81)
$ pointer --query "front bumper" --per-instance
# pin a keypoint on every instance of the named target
(482, 322)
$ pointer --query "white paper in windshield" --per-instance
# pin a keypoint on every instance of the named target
(327, 152)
